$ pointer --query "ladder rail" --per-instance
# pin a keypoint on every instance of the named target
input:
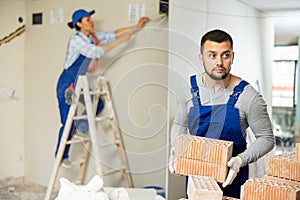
(117, 135)
(83, 165)
(92, 125)
(62, 145)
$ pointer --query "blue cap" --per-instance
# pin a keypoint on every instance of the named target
(78, 14)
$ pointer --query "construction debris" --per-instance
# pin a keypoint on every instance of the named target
(19, 189)
(11, 36)
(93, 190)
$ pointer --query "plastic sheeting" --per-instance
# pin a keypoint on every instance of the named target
(92, 191)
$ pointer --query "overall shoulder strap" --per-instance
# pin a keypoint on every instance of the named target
(195, 91)
(236, 92)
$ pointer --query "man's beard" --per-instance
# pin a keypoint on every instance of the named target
(216, 78)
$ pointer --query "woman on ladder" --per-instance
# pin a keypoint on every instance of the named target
(85, 48)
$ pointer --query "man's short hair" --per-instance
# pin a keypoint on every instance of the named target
(216, 36)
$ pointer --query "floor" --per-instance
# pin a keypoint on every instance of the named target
(18, 189)
(22, 190)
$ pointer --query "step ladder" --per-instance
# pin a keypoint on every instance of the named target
(101, 91)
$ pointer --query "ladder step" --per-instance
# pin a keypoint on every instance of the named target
(80, 117)
(98, 119)
(95, 92)
(114, 171)
(75, 141)
(77, 162)
(109, 144)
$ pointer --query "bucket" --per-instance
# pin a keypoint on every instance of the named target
(159, 190)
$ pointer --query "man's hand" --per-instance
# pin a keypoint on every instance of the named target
(234, 164)
(171, 160)
(70, 94)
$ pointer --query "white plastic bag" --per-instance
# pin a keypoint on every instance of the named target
(91, 191)
(119, 194)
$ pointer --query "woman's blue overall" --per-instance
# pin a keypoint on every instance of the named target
(68, 76)
(220, 122)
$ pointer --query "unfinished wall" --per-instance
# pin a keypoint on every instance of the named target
(137, 78)
(253, 41)
(12, 77)
(45, 52)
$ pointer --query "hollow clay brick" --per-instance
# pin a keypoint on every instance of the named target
(265, 189)
(296, 183)
(202, 187)
(185, 166)
(206, 149)
(297, 152)
(202, 156)
(283, 166)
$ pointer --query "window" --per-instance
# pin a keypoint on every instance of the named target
(284, 82)
(284, 76)
(283, 87)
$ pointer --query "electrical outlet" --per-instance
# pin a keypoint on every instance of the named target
(163, 6)
(37, 18)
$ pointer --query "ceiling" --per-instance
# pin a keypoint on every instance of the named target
(286, 15)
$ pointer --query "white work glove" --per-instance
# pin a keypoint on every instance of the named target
(70, 94)
(171, 160)
(234, 164)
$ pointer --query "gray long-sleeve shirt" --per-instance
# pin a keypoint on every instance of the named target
(252, 110)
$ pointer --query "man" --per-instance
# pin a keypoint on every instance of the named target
(222, 106)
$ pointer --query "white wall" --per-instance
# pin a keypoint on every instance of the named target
(45, 52)
(143, 68)
(137, 74)
(253, 41)
(12, 77)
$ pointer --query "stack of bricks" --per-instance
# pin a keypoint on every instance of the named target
(264, 189)
(282, 180)
(202, 156)
(283, 166)
(297, 152)
(201, 187)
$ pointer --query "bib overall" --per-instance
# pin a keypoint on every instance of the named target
(68, 76)
(220, 122)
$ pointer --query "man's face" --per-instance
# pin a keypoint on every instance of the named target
(217, 59)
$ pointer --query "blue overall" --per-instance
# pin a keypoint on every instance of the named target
(68, 76)
(220, 122)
